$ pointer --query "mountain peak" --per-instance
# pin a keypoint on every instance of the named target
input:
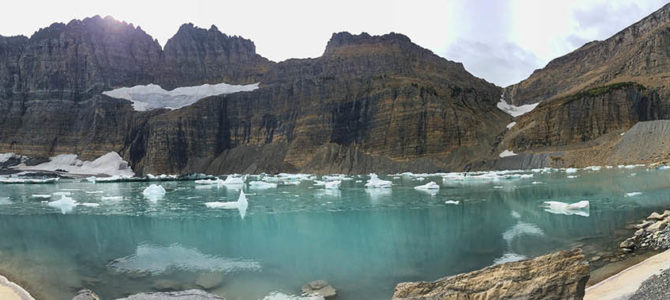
(345, 39)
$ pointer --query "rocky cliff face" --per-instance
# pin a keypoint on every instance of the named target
(639, 53)
(586, 116)
(370, 103)
(560, 275)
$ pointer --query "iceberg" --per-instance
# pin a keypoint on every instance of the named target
(42, 196)
(90, 204)
(65, 204)
(319, 183)
(374, 182)
(454, 202)
(580, 208)
(570, 170)
(262, 185)
(241, 204)
(152, 96)
(154, 192)
(633, 194)
(111, 198)
(233, 180)
(428, 186)
(332, 184)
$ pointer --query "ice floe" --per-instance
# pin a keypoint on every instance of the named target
(41, 196)
(580, 208)
(633, 194)
(5, 201)
(375, 182)
(428, 186)
(514, 110)
(111, 198)
(453, 202)
(154, 192)
(65, 204)
(241, 204)
(152, 96)
(332, 184)
(90, 204)
(157, 260)
(262, 185)
(109, 164)
(570, 170)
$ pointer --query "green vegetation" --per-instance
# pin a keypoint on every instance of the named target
(601, 90)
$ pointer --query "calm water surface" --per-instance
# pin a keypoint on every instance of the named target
(361, 241)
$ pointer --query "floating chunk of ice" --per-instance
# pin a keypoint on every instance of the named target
(10, 180)
(454, 202)
(241, 204)
(150, 97)
(580, 208)
(262, 185)
(375, 182)
(154, 192)
(65, 204)
(332, 184)
(633, 194)
(217, 182)
(319, 183)
(5, 201)
(428, 186)
(90, 204)
(47, 196)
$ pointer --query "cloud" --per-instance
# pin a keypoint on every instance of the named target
(503, 64)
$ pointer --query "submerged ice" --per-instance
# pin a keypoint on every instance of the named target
(154, 192)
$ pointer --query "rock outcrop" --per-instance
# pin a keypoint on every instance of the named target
(560, 275)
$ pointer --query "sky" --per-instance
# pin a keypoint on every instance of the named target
(502, 41)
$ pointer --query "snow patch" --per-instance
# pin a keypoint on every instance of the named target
(510, 125)
(109, 164)
(507, 153)
(152, 96)
(514, 110)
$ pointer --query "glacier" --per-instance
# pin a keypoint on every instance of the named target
(152, 96)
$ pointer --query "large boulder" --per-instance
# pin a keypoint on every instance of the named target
(560, 275)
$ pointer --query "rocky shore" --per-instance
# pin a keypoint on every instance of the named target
(653, 233)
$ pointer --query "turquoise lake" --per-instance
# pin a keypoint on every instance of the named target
(362, 241)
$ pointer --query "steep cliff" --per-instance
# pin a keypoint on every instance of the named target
(370, 103)
(639, 53)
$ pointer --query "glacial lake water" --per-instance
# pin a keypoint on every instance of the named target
(362, 241)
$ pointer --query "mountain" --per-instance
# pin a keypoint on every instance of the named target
(591, 97)
(369, 103)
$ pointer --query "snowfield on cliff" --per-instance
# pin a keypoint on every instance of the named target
(514, 110)
(152, 96)
(110, 164)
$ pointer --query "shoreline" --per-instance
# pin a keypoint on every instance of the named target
(625, 283)
(12, 291)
